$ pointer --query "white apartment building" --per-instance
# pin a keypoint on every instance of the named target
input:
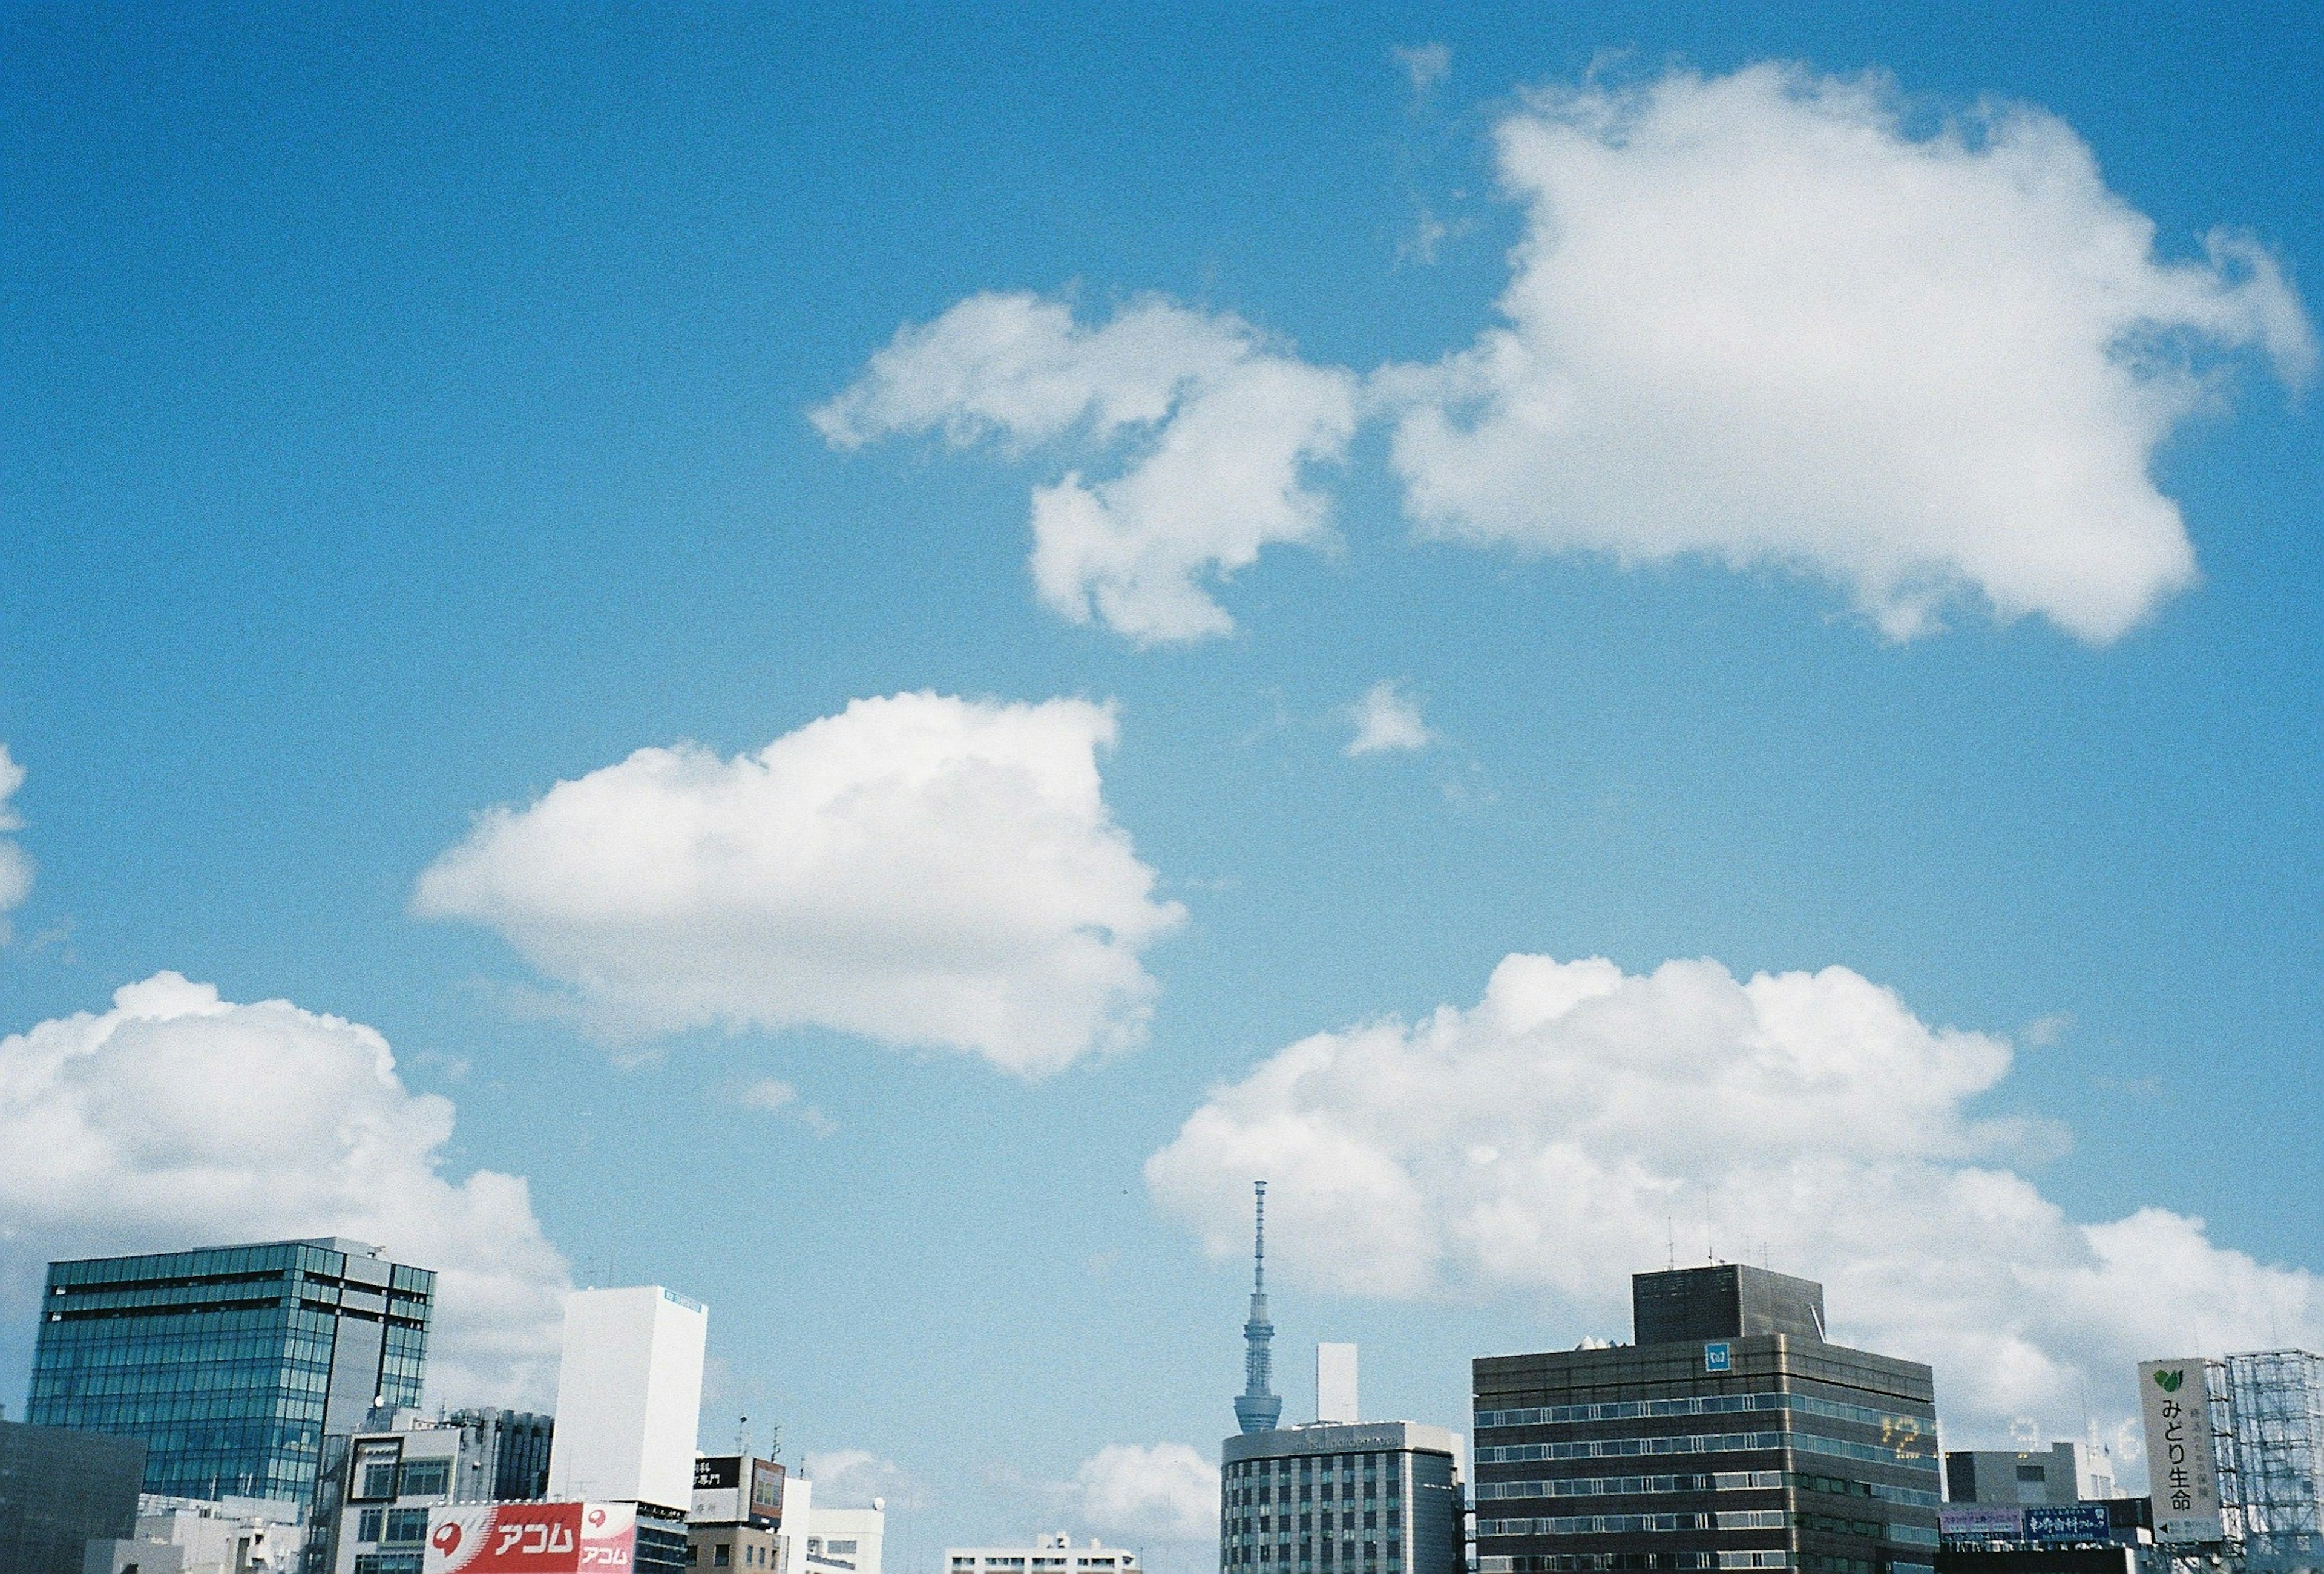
(1055, 1554)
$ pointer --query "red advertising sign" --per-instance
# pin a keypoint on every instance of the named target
(531, 1538)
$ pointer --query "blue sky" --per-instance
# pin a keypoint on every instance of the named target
(401, 416)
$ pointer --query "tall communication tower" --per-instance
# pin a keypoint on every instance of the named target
(1257, 1408)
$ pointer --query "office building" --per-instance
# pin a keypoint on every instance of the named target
(1340, 1496)
(750, 1518)
(1736, 1438)
(372, 1506)
(1372, 1497)
(505, 1455)
(1054, 1554)
(231, 1363)
(60, 1488)
(736, 1517)
(2058, 1476)
(628, 1389)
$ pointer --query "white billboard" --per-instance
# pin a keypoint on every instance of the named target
(2182, 1466)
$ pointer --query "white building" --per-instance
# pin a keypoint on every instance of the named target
(184, 1536)
(1335, 1384)
(628, 1390)
(843, 1540)
(797, 1537)
(1055, 1554)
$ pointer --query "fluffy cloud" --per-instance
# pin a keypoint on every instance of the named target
(1387, 721)
(1540, 1141)
(1168, 1491)
(177, 1118)
(1755, 318)
(854, 1478)
(1209, 432)
(1759, 318)
(15, 869)
(918, 870)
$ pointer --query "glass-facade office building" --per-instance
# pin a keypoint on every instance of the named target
(231, 1363)
(1366, 1497)
(1750, 1443)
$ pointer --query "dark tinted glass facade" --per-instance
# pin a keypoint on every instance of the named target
(59, 1490)
(1761, 1453)
(1364, 1498)
(231, 1362)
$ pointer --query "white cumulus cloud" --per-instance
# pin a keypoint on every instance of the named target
(1766, 318)
(1168, 1491)
(1755, 316)
(178, 1119)
(1541, 1141)
(918, 870)
(853, 1477)
(16, 868)
(1208, 432)
(1386, 722)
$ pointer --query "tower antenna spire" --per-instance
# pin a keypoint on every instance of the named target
(1257, 1408)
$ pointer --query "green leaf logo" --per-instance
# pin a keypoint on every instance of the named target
(2169, 1381)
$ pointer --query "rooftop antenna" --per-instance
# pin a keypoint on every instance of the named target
(1670, 1225)
(1257, 1408)
(741, 1434)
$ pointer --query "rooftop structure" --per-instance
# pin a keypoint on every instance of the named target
(1257, 1408)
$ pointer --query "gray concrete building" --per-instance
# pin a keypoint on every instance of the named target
(1735, 1436)
(62, 1489)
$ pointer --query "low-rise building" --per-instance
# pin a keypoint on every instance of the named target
(1054, 1554)
(187, 1535)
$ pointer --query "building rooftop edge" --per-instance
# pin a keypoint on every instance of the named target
(1340, 1436)
(1743, 1344)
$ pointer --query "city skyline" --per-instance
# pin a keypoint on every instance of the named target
(862, 675)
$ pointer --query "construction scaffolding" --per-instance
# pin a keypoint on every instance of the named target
(2273, 1464)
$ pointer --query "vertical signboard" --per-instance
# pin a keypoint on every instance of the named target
(2182, 1467)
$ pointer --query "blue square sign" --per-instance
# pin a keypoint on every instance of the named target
(1715, 1357)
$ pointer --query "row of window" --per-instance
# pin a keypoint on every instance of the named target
(1706, 1443)
(1310, 1492)
(411, 1478)
(388, 1562)
(1311, 1464)
(392, 1524)
(1617, 1525)
(1617, 1562)
(1616, 1447)
(1625, 1486)
(1347, 1556)
(1266, 1524)
(1704, 1404)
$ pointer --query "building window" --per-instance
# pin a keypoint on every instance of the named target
(406, 1524)
(425, 1478)
(721, 1555)
(367, 1525)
